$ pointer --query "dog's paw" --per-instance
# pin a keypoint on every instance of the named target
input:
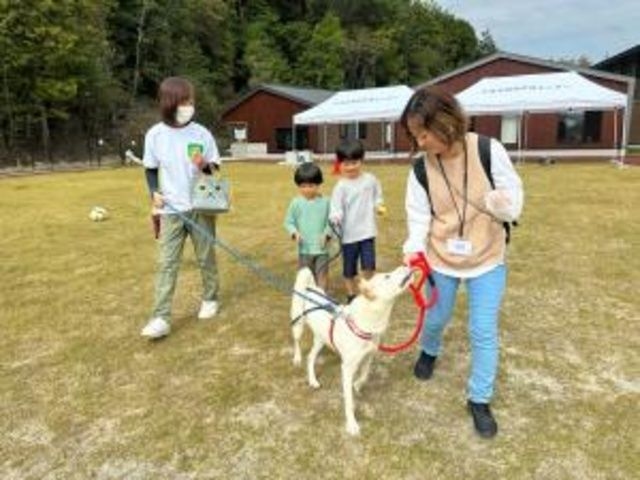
(353, 428)
(315, 384)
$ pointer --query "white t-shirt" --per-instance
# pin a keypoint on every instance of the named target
(353, 206)
(170, 150)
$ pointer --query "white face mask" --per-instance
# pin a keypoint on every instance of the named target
(184, 114)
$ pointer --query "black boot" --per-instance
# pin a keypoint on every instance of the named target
(483, 420)
(424, 366)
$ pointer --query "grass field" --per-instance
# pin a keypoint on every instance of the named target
(83, 396)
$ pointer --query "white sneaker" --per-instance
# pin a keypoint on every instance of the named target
(156, 328)
(208, 309)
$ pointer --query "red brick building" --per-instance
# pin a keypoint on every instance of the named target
(590, 131)
(627, 63)
(266, 112)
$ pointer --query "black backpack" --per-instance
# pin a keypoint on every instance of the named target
(484, 150)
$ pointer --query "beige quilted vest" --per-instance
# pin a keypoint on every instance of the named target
(486, 234)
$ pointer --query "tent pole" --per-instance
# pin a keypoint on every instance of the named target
(325, 139)
(615, 134)
(526, 132)
(393, 138)
(293, 141)
(520, 138)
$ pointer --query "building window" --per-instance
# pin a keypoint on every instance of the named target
(348, 131)
(509, 128)
(284, 138)
(579, 127)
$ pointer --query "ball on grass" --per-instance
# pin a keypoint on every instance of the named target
(98, 214)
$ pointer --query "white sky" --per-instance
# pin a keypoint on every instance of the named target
(553, 29)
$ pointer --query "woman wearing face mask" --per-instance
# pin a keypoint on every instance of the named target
(459, 222)
(176, 150)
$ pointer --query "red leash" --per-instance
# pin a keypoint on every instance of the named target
(418, 261)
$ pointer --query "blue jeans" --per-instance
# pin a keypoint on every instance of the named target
(485, 296)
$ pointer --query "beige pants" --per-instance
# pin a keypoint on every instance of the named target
(173, 232)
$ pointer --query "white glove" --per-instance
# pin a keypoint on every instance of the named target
(499, 204)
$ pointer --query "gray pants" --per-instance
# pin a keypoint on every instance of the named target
(173, 232)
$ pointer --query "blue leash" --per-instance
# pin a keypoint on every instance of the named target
(267, 276)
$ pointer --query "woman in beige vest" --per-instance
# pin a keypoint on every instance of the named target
(458, 221)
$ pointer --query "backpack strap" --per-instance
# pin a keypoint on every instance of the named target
(484, 150)
(420, 171)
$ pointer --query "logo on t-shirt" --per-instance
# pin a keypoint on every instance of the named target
(194, 150)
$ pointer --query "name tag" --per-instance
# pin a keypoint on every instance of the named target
(458, 246)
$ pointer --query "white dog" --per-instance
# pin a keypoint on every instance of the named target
(353, 330)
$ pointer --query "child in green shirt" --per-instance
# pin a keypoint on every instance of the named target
(307, 222)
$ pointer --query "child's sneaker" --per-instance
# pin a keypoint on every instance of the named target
(156, 328)
(208, 309)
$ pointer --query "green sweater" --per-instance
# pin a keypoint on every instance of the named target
(310, 219)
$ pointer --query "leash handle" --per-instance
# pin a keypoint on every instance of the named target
(419, 261)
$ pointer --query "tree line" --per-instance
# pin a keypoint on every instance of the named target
(79, 77)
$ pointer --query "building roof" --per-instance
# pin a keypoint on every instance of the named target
(525, 59)
(305, 96)
(607, 62)
(311, 96)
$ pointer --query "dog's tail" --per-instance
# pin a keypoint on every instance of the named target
(304, 279)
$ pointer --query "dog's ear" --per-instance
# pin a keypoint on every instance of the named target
(366, 290)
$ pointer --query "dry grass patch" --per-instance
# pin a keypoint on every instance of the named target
(83, 396)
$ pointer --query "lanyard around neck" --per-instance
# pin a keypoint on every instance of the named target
(461, 216)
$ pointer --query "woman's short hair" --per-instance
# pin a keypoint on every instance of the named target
(308, 173)
(350, 150)
(438, 111)
(172, 92)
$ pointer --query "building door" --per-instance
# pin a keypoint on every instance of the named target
(284, 138)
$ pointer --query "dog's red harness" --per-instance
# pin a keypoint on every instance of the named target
(357, 331)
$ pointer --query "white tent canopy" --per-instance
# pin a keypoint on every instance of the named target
(545, 92)
(365, 105)
(538, 93)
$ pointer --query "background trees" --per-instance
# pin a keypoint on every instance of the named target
(77, 74)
